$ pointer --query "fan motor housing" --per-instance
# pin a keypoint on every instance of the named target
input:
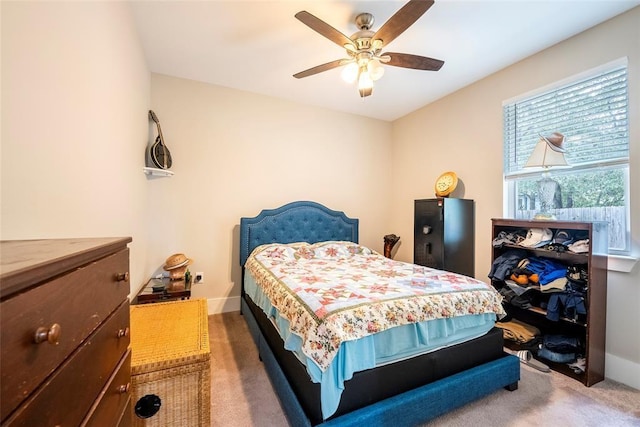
(365, 21)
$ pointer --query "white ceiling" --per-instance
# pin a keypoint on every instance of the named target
(258, 45)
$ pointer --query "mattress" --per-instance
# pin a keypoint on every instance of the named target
(445, 308)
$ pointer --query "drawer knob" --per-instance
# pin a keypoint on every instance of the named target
(122, 277)
(51, 335)
(123, 332)
(124, 388)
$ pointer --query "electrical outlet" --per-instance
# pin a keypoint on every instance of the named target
(199, 277)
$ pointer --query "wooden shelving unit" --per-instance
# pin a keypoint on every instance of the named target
(590, 330)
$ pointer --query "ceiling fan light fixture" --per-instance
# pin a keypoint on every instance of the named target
(376, 71)
(350, 73)
(365, 92)
(365, 83)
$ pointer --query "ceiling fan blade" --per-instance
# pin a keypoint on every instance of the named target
(416, 62)
(320, 68)
(403, 19)
(323, 28)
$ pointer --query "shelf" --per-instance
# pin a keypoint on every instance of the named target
(157, 172)
(558, 367)
(539, 311)
(567, 256)
(589, 328)
(156, 290)
(543, 314)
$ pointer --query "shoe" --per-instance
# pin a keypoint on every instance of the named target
(579, 365)
(579, 246)
(526, 357)
(562, 237)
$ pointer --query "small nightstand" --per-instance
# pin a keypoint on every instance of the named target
(161, 290)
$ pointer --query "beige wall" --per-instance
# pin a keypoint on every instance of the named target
(463, 133)
(75, 94)
(236, 153)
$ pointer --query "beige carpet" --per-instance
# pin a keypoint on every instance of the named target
(242, 396)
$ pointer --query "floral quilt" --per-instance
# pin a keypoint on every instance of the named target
(332, 292)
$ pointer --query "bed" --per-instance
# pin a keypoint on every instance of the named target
(405, 390)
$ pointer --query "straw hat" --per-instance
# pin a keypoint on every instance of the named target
(177, 261)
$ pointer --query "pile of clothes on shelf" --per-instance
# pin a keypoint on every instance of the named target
(540, 281)
(530, 281)
(556, 348)
(576, 241)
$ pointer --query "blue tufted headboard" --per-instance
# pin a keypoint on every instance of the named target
(295, 222)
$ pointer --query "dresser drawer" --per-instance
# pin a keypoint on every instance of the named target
(76, 302)
(65, 398)
(114, 397)
(126, 420)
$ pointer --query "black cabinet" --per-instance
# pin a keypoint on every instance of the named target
(444, 235)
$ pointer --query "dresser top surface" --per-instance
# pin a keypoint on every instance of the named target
(24, 263)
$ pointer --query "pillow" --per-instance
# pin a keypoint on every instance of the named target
(302, 250)
(279, 251)
(338, 249)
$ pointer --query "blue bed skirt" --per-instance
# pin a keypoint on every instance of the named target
(411, 408)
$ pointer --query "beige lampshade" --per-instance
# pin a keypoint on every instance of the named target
(546, 155)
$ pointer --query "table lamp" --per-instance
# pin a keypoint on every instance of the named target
(548, 153)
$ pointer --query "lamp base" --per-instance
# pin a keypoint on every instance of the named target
(544, 216)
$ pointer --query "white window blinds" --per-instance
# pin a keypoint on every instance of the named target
(591, 113)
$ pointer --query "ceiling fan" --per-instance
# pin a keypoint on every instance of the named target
(364, 48)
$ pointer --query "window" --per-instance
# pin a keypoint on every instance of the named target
(591, 112)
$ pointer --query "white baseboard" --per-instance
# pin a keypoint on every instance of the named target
(622, 370)
(223, 305)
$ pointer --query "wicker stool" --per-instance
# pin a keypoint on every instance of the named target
(170, 365)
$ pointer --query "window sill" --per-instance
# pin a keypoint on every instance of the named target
(623, 264)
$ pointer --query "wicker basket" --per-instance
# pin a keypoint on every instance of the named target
(171, 361)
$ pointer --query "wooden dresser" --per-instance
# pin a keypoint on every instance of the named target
(65, 332)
